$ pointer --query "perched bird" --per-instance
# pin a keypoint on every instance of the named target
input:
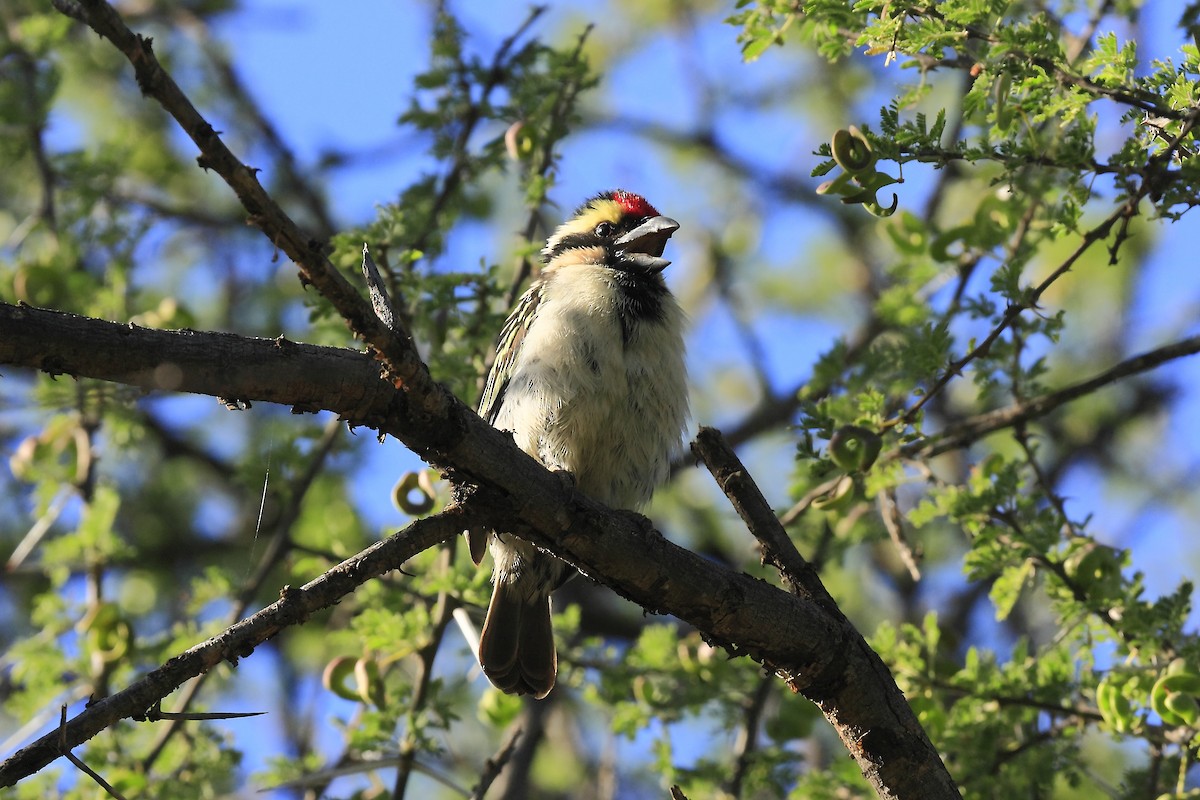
(589, 378)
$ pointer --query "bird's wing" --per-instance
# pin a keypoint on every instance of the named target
(508, 347)
(512, 336)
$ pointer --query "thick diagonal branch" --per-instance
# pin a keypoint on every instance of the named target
(862, 702)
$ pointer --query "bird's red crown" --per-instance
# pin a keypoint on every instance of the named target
(634, 204)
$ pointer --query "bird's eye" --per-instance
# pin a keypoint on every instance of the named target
(604, 229)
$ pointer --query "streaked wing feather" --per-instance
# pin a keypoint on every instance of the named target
(512, 335)
(508, 347)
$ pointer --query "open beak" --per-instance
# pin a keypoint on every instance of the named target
(644, 245)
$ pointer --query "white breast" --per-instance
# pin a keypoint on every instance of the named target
(580, 398)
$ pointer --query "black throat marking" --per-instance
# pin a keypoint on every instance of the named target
(641, 292)
(641, 298)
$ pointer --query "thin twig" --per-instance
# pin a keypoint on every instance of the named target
(274, 554)
(802, 505)
(495, 765)
(202, 716)
(315, 782)
(37, 133)
(563, 104)
(467, 124)
(443, 613)
(1028, 301)
(74, 759)
(747, 741)
(1080, 43)
(775, 548)
(1154, 771)
(960, 435)
(1021, 434)
(234, 89)
(889, 512)
(239, 640)
(39, 529)
(513, 783)
(397, 353)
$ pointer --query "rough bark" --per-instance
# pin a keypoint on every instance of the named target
(304, 376)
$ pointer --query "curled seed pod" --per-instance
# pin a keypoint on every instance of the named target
(518, 141)
(839, 185)
(368, 682)
(1095, 567)
(1186, 682)
(336, 678)
(1183, 706)
(839, 497)
(854, 448)
(871, 184)
(852, 151)
(21, 461)
(1114, 705)
(409, 484)
(878, 210)
(114, 643)
(1106, 696)
(1174, 694)
(511, 143)
(1000, 93)
(107, 633)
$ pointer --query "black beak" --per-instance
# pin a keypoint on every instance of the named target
(644, 244)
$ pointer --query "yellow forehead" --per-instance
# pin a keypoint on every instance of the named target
(599, 210)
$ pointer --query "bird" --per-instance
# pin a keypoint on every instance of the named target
(590, 379)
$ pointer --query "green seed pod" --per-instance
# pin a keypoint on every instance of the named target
(839, 498)
(414, 493)
(852, 151)
(336, 678)
(368, 682)
(854, 448)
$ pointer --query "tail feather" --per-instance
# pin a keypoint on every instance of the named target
(516, 647)
(477, 542)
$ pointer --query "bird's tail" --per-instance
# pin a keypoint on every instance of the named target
(516, 647)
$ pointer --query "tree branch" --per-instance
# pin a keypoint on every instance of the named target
(863, 703)
(971, 430)
(396, 351)
(797, 639)
(304, 376)
(495, 765)
(775, 548)
(277, 549)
